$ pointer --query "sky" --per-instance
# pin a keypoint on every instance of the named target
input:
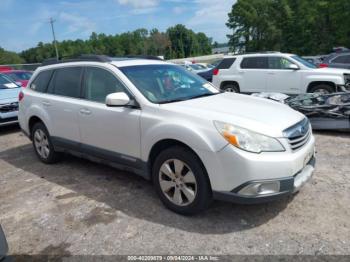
(24, 23)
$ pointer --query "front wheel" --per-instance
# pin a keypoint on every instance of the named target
(322, 89)
(181, 181)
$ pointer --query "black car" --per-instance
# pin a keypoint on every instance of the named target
(337, 60)
(207, 75)
(3, 245)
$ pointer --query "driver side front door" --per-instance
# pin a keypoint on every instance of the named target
(111, 133)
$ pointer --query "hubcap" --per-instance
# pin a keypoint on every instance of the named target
(41, 143)
(322, 91)
(230, 89)
(177, 182)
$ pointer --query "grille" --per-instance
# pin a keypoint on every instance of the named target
(298, 135)
(10, 107)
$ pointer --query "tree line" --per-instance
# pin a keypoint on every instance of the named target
(305, 27)
(176, 42)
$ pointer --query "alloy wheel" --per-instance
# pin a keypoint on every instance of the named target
(177, 182)
(41, 143)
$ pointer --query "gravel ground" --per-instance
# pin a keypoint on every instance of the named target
(78, 207)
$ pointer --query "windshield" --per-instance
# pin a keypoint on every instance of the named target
(6, 83)
(304, 62)
(20, 75)
(167, 83)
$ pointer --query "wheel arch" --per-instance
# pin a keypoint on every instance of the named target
(223, 83)
(32, 121)
(163, 144)
(316, 83)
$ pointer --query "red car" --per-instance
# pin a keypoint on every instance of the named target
(19, 76)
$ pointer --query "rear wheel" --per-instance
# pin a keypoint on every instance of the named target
(42, 144)
(181, 181)
(231, 87)
(322, 89)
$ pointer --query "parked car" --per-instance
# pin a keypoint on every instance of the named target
(316, 60)
(9, 92)
(170, 126)
(195, 68)
(278, 72)
(208, 74)
(3, 245)
(337, 60)
(21, 77)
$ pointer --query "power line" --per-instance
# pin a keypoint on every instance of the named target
(54, 37)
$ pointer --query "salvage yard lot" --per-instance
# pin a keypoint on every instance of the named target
(80, 207)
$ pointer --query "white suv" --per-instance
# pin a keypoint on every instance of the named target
(277, 72)
(168, 125)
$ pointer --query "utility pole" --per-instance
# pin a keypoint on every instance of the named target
(54, 37)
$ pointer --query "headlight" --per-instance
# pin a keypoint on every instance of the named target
(248, 140)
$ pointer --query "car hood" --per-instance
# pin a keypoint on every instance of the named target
(256, 114)
(329, 70)
(9, 95)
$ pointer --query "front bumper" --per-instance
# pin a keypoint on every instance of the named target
(288, 185)
(8, 118)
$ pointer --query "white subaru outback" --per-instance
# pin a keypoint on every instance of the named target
(277, 72)
(168, 125)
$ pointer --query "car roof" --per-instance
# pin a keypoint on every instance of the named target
(118, 62)
(258, 54)
(15, 71)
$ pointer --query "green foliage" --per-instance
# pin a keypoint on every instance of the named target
(176, 42)
(7, 57)
(306, 27)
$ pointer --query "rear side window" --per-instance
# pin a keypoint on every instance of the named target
(41, 81)
(254, 63)
(344, 59)
(226, 63)
(66, 82)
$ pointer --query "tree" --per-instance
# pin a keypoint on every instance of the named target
(306, 27)
(7, 57)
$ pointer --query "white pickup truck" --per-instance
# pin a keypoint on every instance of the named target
(277, 72)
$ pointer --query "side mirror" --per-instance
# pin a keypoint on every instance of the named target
(293, 67)
(117, 99)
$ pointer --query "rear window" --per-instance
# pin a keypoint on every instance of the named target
(344, 59)
(41, 81)
(255, 63)
(66, 82)
(226, 63)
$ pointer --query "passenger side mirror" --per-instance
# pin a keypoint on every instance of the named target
(293, 67)
(117, 99)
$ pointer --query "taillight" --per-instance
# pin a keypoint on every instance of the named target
(322, 65)
(215, 71)
(20, 96)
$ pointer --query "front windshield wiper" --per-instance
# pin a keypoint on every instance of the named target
(171, 101)
(203, 95)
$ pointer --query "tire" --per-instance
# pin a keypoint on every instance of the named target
(186, 190)
(231, 87)
(322, 88)
(42, 144)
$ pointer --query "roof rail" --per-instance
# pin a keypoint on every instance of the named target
(150, 57)
(262, 52)
(95, 58)
(92, 58)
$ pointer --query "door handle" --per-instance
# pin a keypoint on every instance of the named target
(46, 103)
(271, 73)
(85, 111)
